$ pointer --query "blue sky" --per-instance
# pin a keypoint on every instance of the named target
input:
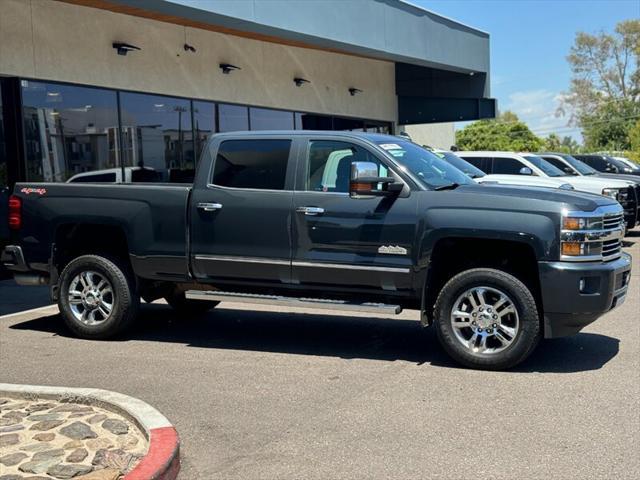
(529, 42)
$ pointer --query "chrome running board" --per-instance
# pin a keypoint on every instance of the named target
(293, 302)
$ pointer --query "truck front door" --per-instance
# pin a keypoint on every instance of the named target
(241, 212)
(344, 242)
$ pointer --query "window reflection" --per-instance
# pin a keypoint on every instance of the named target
(233, 118)
(4, 183)
(308, 121)
(157, 137)
(267, 119)
(68, 130)
(204, 119)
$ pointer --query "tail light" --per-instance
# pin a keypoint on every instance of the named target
(15, 212)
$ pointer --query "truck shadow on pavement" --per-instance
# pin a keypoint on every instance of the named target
(334, 336)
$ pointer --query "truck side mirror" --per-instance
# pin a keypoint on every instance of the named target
(365, 181)
(526, 171)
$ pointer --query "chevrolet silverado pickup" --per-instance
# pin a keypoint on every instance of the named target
(328, 220)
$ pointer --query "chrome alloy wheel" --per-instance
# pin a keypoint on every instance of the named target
(485, 320)
(90, 297)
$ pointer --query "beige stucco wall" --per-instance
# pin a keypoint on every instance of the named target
(436, 135)
(46, 39)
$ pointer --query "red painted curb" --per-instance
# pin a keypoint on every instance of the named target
(162, 461)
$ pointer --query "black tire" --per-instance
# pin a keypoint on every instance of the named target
(522, 344)
(124, 300)
(188, 307)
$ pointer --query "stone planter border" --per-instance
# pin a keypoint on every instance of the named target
(162, 461)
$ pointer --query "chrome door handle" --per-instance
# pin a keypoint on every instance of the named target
(209, 207)
(310, 210)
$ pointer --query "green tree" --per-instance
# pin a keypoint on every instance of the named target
(506, 132)
(609, 126)
(553, 143)
(604, 95)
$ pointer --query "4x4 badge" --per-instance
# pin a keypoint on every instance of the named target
(392, 250)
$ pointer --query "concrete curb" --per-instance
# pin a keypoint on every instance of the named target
(162, 461)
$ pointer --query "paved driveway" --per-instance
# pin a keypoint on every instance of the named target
(302, 394)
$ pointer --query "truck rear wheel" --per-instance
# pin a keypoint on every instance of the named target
(97, 297)
(487, 319)
(185, 306)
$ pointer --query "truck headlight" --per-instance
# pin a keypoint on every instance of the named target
(596, 236)
(618, 194)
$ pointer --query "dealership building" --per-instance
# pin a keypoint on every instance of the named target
(102, 85)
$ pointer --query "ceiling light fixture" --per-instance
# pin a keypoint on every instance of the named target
(353, 91)
(189, 48)
(227, 67)
(124, 48)
(300, 81)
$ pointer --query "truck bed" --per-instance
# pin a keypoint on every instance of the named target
(152, 217)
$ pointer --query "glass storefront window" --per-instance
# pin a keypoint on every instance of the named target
(157, 138)
(309, 121)
(348, 124)
(233, 118)
(267, 119)
(204, 124)
(67, 129)
(4, 185)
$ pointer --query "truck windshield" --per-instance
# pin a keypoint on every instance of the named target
(545, 166)
(581, 167)
(460, 164)
(432, 171)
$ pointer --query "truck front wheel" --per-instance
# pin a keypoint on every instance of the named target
(97, 297)
(487, 319)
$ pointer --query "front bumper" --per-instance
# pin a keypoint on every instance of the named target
(567, 307)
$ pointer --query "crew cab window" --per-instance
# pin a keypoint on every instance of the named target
(482, 163)
(506, 166)
(260, 164)
(560, 164)
(329, 165)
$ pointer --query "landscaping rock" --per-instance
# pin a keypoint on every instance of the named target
(48, 454)
(98, 443)
(12, 428)
(41, 417)
(68, 471)
(72, 408)
(44, 437)
(36, 447)
(104, 474)
(96, 418)
(9, 439)
(5, 422)
(11, 477)
(12, 459)
(73, 444)
(114, 459)
(78, 455)
(117, 427)
(78, 431)
(38, 407)
(40, 466)
(46, 425)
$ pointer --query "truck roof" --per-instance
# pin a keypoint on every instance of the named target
(372, 137)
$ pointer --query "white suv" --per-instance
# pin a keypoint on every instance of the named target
(529, 164)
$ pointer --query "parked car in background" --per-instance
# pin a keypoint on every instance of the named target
(631, 163)
(573, 166)
(510, 163)
(334, 220)
(481, 177)
(607, 164)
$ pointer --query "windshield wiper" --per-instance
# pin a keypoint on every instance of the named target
(448, 186)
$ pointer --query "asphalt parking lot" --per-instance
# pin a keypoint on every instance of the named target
(302, 394)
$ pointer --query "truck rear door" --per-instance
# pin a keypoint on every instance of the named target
(241, 211)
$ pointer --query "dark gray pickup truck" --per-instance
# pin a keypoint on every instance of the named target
(332, 220)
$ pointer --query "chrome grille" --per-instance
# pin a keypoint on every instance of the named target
(611, 249)
(611, 222)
